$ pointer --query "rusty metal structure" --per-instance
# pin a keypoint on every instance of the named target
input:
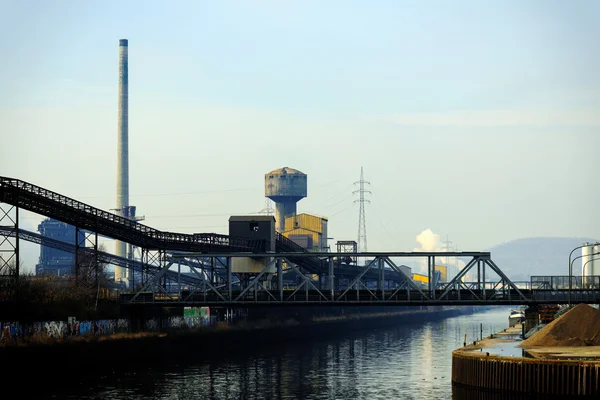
(516, 375)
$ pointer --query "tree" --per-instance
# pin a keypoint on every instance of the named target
(89, 276)
(9, 279)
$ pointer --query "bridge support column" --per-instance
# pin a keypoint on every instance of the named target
(429, 277)
(229, 280)
(381, 282)
(212, 271)
(144, 271)
(280, 278)
(432, 274)
(157, 259)
(10, 262)
(483, 271)
(531, 317)
(479, 274)
(331, 279)
(87, 267)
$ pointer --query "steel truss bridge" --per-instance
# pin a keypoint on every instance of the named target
(197, 269)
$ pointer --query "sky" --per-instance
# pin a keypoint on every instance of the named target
(474, 121)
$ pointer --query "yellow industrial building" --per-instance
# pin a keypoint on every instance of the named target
(307, 230)
(443, 270)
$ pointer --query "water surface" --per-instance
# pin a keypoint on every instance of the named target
(407, 361)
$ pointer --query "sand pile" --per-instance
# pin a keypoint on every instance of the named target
(579, 326)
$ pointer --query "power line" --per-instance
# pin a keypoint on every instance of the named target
(173, 193)
(201, 215)
(342, 210)
(335, 196)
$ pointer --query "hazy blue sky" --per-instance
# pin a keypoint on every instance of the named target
(475, 119)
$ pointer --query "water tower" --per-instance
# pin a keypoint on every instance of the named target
(285, 186)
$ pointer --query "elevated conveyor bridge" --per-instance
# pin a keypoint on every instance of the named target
(380, 281)
(41, 201)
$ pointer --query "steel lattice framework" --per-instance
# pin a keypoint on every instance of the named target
(107, 258)
(321, 278)
(266, 288)
(33, 198)
(9, 251)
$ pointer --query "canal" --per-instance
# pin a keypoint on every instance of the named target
(407, 361)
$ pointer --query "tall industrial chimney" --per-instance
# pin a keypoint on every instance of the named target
(123, 151)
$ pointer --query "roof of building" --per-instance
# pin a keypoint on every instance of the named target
(285, 170)
(235, 218)
(308, 214)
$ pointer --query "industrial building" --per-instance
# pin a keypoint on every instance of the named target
(440, 275)
(52, 261)
(286, 187)
(253, 227)
(309, 231)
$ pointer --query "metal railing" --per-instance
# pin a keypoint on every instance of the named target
(561, 282)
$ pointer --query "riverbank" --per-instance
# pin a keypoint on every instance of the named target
(62, 332)
(503, 362)
(184, 347)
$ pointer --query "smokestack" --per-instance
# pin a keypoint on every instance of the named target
(123, 149)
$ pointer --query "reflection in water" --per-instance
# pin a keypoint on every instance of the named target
(409, 361)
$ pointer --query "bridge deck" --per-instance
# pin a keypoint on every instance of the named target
(366, 298)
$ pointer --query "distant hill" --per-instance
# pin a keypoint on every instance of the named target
(522, 258)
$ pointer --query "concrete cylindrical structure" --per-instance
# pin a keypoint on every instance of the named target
(590, 260)
(285, 186)
(123, 149)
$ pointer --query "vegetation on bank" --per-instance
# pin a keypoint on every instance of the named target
(84, 295)
(44, 340)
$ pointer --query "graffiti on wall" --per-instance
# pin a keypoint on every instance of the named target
(62, 329)
(194, 317)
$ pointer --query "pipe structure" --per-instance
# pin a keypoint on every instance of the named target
(123, 149)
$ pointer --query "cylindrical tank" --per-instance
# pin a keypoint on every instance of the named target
(590, 262)
(285, 186)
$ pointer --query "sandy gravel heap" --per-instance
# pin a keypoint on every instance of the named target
(579, 326)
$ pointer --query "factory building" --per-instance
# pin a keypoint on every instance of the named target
(309, 231)
(52, 261)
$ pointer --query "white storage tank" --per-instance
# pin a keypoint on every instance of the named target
(590, 260)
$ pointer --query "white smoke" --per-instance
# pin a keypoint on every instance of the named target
(430, 241)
